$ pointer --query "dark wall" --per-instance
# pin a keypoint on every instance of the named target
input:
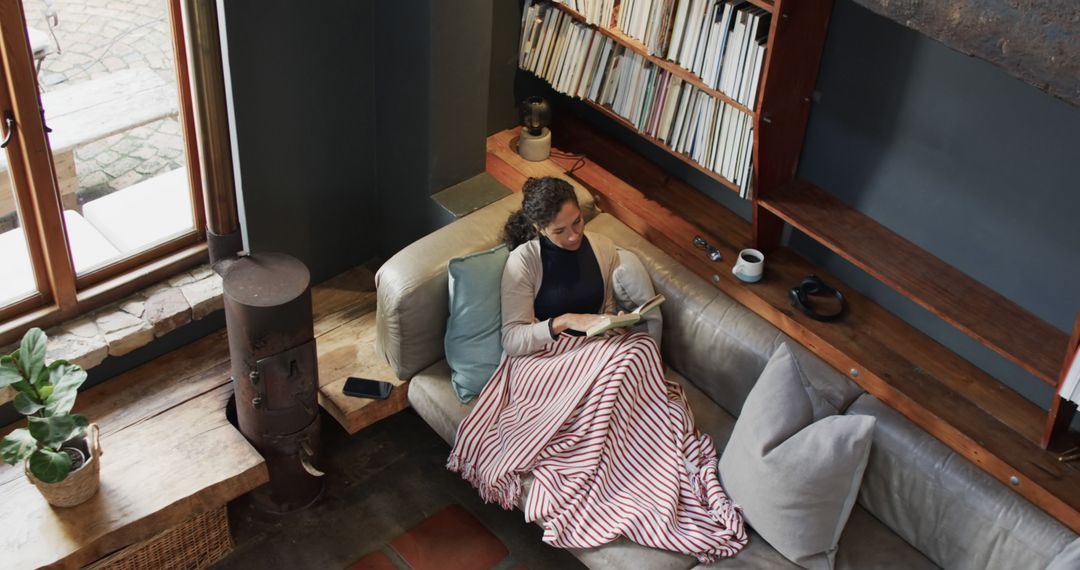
(460, 63)
(302, 85)
(432, 59)
(402, 61)
(949, 151)
(502, 102)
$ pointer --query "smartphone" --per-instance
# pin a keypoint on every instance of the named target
(364, 388)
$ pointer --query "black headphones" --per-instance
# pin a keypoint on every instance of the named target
(813, 285)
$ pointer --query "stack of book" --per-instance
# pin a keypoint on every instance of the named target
(581, 61)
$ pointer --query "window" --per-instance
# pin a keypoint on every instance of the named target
(99, 184)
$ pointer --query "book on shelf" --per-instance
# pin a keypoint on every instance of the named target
(627, 319)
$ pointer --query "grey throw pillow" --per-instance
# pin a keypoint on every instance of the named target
(796, 479)
(632, 286)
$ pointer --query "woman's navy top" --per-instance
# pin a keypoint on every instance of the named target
(572, 282)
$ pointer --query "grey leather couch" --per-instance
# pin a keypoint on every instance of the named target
(920, 504)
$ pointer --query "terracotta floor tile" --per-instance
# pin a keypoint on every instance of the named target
(450, 540)
(377, 560)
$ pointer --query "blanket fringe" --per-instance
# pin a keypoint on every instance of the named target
(504, 491)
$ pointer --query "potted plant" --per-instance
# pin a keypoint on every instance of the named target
(59, 451)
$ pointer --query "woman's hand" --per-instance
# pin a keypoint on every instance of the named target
(575, 321)
(620, 330)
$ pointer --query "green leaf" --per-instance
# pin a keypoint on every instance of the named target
(26, 404)
(9, 372)
(24, 387)
(65, 380)
(32, 353)
(44, 392)
(53, 431)
(50, 466)
(18, 445)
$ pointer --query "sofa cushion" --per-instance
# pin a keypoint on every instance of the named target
(865, 545)
(1068, 559)
(472, 342)
(411, 286)
(632, 287)
(946, 506)
(796, 478)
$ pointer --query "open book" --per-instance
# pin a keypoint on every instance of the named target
(629, 319)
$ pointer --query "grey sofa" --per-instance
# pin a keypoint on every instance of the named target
(920, 504)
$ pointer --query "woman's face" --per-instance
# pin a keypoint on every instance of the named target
(566, 229)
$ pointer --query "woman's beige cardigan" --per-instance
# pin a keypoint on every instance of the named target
(521, 279)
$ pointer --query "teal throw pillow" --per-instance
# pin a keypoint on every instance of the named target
(473, 346)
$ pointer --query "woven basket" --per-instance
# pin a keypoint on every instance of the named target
(80, 484)
(195, 543)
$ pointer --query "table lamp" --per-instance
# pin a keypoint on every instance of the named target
(535, 141)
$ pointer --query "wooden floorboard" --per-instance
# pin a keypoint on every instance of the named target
(974, 414)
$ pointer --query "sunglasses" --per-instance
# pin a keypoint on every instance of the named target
(714, 254)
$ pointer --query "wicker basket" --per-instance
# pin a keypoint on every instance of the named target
(80, 484)
(196, 543)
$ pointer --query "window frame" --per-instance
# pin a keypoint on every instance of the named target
(60, 293)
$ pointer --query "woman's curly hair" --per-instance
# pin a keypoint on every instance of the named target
(543, 198)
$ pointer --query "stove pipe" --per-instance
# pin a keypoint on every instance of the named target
(275, 374)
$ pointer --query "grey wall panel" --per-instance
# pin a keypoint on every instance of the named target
(302, 85)
(502, 102)
(460, 63)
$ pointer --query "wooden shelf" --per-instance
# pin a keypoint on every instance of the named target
(764, 5)
(981, 419)
(959, 300)
(670, 66)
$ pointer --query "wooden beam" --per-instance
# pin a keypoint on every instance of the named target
(1038, 42)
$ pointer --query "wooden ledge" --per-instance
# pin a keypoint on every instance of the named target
(345, 337)
(974, 414)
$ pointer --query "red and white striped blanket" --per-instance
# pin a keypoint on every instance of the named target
(610, 443)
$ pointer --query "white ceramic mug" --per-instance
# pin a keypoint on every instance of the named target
(747, 270)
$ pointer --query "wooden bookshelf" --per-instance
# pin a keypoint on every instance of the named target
(796, 34)
(672, 67)
(981, 313)
(971, 412)
(700, 167)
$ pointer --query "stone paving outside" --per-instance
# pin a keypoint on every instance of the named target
(98, 37)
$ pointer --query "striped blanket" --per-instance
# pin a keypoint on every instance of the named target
(611, 446)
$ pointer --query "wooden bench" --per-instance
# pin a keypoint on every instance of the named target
(169, 455)
(89, 111)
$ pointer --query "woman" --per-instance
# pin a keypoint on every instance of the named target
(610, 445)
